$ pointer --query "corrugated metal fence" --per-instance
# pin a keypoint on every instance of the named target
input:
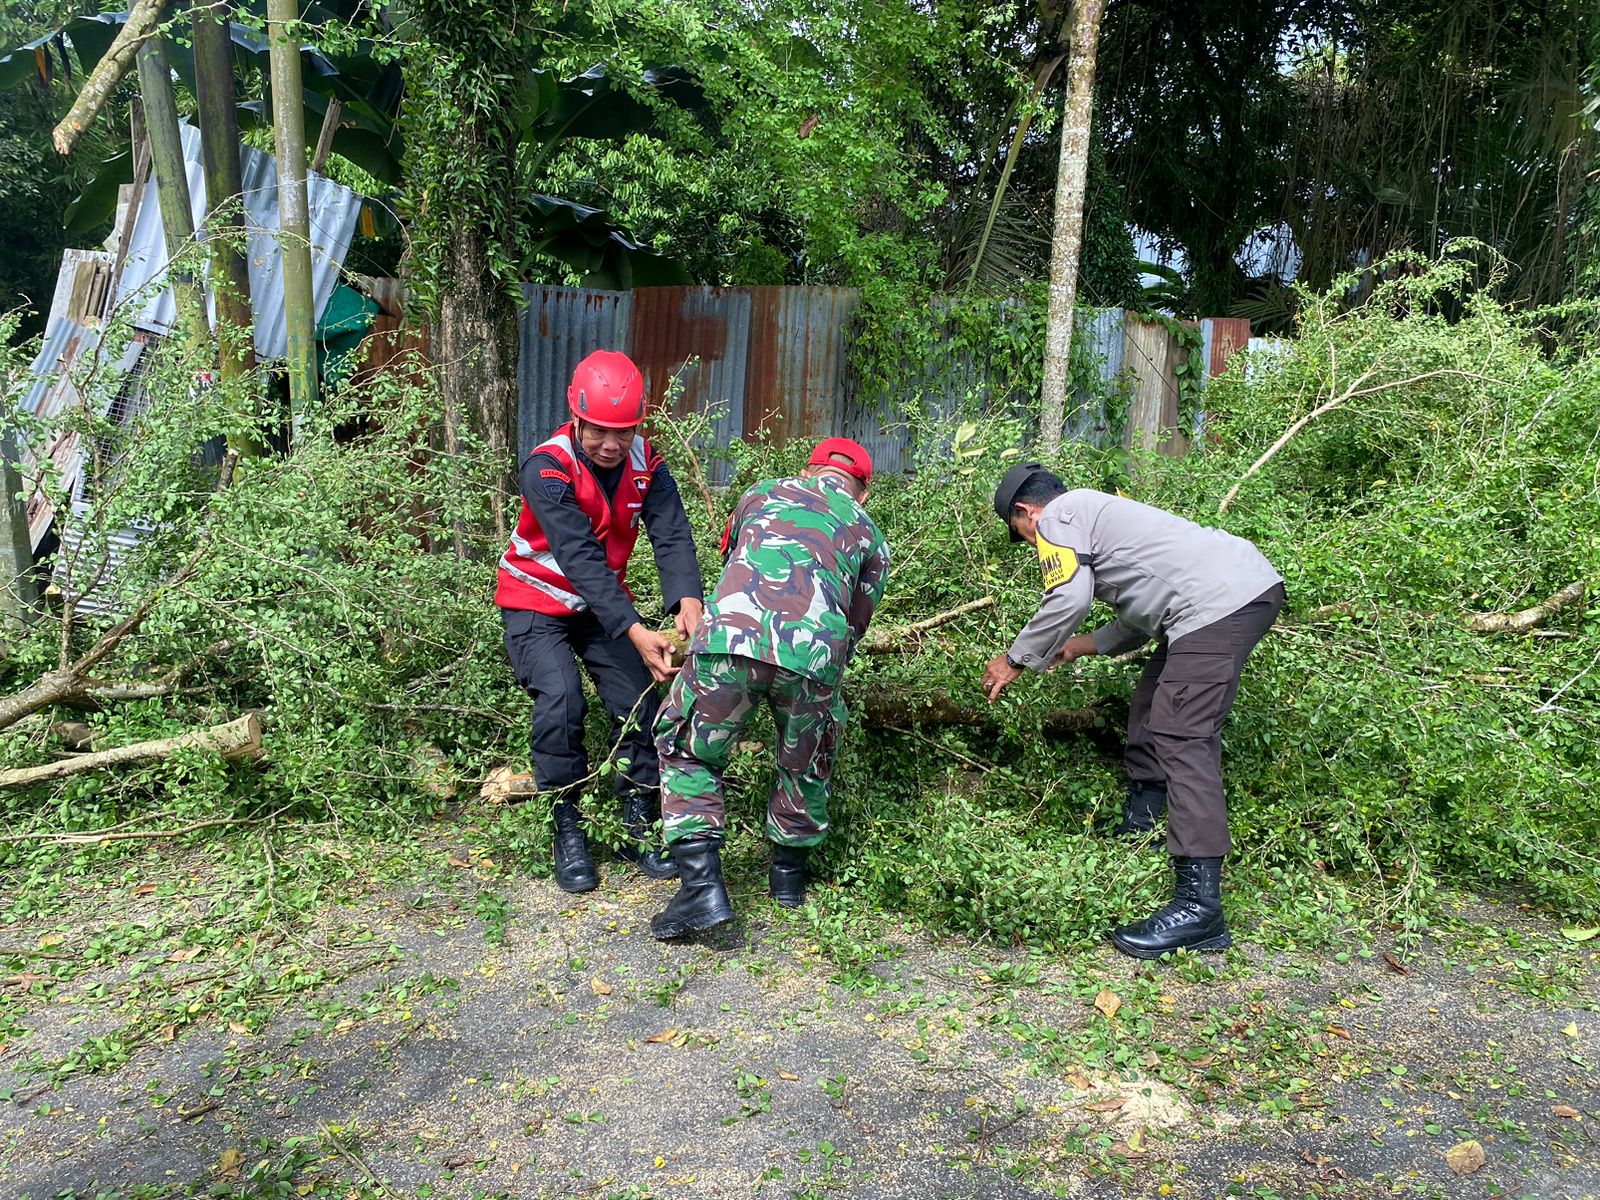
(775, 362)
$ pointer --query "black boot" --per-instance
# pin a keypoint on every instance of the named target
(1145, 806)
(639, 812)
(786, 877)
(702, 899)
(574, 868)
(1191, 920)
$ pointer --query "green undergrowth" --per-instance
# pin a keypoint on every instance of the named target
(1380, 754)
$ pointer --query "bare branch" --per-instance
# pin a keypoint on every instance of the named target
(1328, 406)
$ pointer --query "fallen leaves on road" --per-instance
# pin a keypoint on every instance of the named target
(600, 987)
(189, 955)
(231, 1163)
(1571, 1029)
(1465, 1157)
(1395, 965)
(663, 1038)
(1109, 1104)
(1339, 1031)
(1567, 1111)
(1108, 1002)
(1580, 935)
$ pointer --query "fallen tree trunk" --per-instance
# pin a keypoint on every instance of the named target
(890, 709)
(239, 738)
(1528, 618)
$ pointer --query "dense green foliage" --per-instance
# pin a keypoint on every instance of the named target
(1379, 746)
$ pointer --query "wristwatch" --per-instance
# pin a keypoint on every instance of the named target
(1013, 663)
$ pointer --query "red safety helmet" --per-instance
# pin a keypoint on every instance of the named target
(607, 390)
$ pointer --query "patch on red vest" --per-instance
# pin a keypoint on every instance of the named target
(556, 482)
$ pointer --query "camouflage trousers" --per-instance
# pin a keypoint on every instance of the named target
(708, 706)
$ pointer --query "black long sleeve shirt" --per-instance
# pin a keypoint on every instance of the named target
(583, 560)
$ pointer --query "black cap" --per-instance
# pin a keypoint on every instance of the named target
(1010, 484)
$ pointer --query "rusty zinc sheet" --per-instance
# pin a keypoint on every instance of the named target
(693, 346)
(560, 327)
(64, 373)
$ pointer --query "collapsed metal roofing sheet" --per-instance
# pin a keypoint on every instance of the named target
(63, 372)
(334, 210)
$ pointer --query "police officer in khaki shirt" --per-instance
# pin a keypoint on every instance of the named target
(1206, 597)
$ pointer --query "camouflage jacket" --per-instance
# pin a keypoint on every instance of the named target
(805, 569)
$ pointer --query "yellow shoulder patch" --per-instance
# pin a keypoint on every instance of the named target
(1058, 563)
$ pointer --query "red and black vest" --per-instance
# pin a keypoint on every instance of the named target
(529, 575)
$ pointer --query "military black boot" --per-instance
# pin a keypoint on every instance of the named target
(639, 812)
(574, 868)
(702, 899)
(1145, 806)
(786, 877)
(1191, 920)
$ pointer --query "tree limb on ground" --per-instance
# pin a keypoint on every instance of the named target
(70, 680)
(883, 708)
(1528, 618)
(240, 738)
(143, 21)
(907, 639)
(1526, 621)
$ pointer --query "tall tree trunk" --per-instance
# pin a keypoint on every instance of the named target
(477, 344)
(1066, 242)
(294, 220)
(219, 158)
(172, 191)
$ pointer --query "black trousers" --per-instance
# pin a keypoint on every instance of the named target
(1175, 722)
(544, 653)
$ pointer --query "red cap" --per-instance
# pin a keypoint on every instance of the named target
(845, 455)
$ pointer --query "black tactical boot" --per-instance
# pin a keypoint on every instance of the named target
(786, 877)
(574, 868)
(1145, 806)
(1191, 920)
(702, 899)
(639, 812)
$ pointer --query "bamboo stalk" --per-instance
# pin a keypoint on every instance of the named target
(294, 221)
(219, 157)
(172, 187)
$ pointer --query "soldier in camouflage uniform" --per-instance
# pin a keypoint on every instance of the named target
(805, 568)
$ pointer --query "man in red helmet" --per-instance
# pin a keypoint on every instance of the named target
(564, 596)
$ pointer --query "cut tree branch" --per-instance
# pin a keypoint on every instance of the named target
(239, 738)
(1350, 393)
(907, 639)
(143, 21)
(1528, 618)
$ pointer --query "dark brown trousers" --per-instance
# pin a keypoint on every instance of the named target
(1175, 722)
